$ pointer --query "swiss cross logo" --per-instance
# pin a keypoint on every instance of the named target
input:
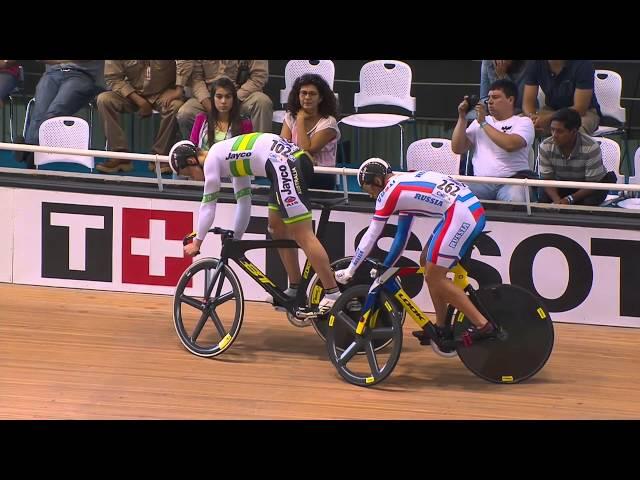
(152, 246)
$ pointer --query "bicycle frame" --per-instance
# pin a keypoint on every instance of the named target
(386, 282)
(235, 250)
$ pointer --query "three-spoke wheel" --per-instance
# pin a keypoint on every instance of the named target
(379, 344)
(208, 307)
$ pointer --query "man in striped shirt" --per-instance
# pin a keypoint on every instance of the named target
(571, 155)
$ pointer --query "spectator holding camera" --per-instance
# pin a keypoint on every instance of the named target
(501, 142)
(573, 156)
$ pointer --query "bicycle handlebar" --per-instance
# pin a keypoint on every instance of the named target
(378, 267)
(222, 231)
(328, 203)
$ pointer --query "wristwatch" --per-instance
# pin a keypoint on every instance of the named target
(570, 199)
(483, 123)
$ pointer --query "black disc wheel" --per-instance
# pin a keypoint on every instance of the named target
(208, 307)
(343, 343)
(524, 338)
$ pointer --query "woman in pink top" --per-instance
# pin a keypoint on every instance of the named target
(9, 72)
(310, 123)
(223, 121)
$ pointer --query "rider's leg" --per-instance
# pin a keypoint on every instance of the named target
(439, 304)
(462, 222)
(445, 291)
(289, 256)
(317, 255)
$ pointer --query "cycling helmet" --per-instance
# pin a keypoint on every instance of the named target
(372, 168)
(179, 154)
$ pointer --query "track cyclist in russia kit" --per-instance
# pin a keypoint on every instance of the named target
(429, 194)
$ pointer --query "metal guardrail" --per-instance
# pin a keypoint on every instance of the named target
(342, 172)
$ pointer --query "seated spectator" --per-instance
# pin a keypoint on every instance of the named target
(501, 142)
(571, 155)
(310, 123)
(566, 84)
(9, 71)
(514, 70)
(222, 122)
(142, 86)
(64, 88)
(250, 77)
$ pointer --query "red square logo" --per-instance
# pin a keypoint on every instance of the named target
(152, 246)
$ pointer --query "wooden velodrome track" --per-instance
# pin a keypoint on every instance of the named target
(77, 354)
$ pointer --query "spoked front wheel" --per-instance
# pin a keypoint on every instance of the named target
(341, 333)
(344, 344)
(525, 335)
(208, 307)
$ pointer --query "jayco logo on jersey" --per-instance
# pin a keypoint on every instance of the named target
(456, 238)
(286, 179)
(235, 156)
(428, 199)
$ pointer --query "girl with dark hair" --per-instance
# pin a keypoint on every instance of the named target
(310, 123)
(224, 121)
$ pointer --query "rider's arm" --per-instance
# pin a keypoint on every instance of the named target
(366, 243)
(242, 190)
(400, 241)
(385, 207)
(209, 199)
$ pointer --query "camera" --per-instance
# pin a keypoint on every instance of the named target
(472, 100)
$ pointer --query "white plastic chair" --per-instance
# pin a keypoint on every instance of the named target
(611, 160)
(630, 200)
(383, 82)
(608, 91)
(433, 154)
(91, 105)
(64, 132)
(635, 178)
(296, 68)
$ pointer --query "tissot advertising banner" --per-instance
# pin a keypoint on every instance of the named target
(6, 233)
(584, 275)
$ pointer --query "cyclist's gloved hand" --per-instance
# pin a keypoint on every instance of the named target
(188, 238)
(343, 276)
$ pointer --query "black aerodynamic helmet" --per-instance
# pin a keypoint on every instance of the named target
(179, 154)
(372, 168)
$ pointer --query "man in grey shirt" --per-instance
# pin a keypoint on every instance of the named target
(571, 155)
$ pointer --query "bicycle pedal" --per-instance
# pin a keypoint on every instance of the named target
(422, 336)
(305, 313)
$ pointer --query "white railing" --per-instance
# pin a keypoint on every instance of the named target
(343, 173)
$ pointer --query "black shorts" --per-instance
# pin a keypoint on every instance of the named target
(289, 187)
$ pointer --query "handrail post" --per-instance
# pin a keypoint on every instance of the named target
(159, 174)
